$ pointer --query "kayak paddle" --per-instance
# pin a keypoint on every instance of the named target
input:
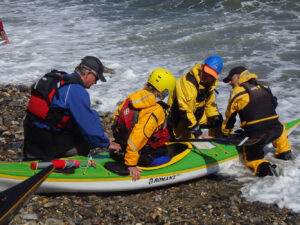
(12, 199)
(243, 141)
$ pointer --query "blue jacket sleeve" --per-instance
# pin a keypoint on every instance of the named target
(77, 100)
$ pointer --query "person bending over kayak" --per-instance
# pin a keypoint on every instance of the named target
(255, 104)
(192, 103)
(59, 120)
(140, 124)
(2, 33)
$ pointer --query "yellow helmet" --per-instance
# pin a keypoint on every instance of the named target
(162, 79)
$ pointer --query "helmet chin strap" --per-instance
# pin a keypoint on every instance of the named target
(159, 97)
(166, 94)
(162, 95)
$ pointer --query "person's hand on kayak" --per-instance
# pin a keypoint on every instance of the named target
(134, 172)
(204, 136)
(115, 146)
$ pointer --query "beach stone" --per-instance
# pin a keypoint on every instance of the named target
(50, 204)
(53, 221)
(77, 219)
(86, 222)
(30, 216)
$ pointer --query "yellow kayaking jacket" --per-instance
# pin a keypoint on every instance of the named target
(252, 112)
(150, 119)
(189, 102)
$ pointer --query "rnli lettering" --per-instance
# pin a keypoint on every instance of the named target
(161, 179)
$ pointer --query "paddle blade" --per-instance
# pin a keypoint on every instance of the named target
(108, 70)
(246, 141)
(12, 199)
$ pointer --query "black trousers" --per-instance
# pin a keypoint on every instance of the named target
(46, 145)
(267, 135)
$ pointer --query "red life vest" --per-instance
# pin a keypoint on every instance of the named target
(42, 93)
(160, 137)
(126, 121)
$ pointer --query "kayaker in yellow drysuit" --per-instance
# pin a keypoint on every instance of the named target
(255, 104)
(140, 124)
(192, 103)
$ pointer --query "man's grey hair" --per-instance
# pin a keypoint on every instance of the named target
(82, 69)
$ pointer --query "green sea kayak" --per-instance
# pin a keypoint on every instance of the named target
(94, 174)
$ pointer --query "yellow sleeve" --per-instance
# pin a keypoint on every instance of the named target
(147, 124)
(170, 101)
(211, 108)
(186, 94)
(235, 104)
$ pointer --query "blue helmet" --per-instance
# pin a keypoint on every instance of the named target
(214, 62)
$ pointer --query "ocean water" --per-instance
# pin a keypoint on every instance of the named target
(135, 37)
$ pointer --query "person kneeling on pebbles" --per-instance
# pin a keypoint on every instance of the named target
(140, 124)
(59, 120)
(255, 104)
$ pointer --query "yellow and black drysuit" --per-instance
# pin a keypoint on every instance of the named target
(151, 120)
(192, 104)
(254, 102)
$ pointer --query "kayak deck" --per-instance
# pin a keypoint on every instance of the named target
(194, 160)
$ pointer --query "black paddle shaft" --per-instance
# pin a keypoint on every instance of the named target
(245, 141)
(12, 199)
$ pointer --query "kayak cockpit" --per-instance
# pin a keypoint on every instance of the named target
(176, 152)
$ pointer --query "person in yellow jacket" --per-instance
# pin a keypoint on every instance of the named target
(140, 124)
(255, 104)
(192, 103)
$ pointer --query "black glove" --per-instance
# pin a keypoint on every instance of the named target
(170, 128)
(238, 133)
(215, 121)
(196, 130)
